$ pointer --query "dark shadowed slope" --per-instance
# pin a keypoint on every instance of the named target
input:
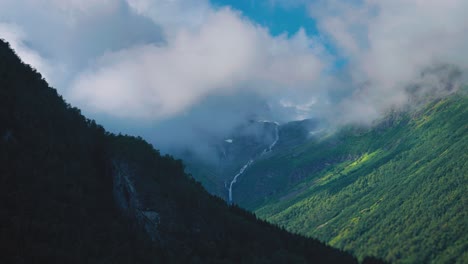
(72, 193)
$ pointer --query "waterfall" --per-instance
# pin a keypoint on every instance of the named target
(265, 151)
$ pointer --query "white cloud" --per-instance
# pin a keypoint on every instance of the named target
(390, 43)
(17, 39)
(224, 54)
(173, 14)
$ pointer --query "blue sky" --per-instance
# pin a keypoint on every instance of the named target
(285, 18)
(278, 18)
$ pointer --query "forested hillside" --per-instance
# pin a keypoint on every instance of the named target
(58, 186)
(396, 190)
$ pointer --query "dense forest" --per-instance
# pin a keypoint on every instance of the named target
(396, 190)
(58, 176)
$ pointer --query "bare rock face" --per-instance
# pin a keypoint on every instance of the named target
(128, 200)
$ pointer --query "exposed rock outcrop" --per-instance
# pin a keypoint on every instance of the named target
(129, 200)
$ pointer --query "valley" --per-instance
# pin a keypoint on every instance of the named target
(216, 131)
(395, 190)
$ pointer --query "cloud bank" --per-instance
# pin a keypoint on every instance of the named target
(153, 67)
(224, 54)
(188, 50)
(390, 44)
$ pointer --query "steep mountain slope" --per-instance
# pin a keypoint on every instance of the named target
(55, 184)
(396, 190)
(73, 193)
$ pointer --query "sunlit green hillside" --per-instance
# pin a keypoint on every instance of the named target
(396, 191)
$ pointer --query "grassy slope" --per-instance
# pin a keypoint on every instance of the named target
(396, 191)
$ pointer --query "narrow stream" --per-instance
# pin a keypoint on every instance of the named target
(270, 148)
(265, 151)
(236, 176)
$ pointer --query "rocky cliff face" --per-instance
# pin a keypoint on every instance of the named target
(130, 201)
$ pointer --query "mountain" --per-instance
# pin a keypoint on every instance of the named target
(231, 156)
(73, 193)
(228, 155)
(395, 190)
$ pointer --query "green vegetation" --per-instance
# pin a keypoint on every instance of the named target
(56, 189)
(396, 191)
